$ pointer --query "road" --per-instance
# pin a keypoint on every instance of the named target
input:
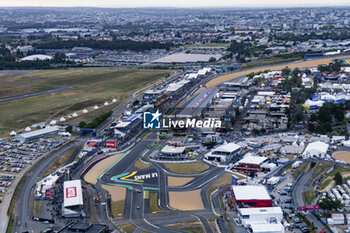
(298, 199)
(17, 97)
(22, 210)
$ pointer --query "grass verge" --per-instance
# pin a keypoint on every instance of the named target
(299, 170)
(189, 226)
(127, 227)
(118, 208)
(186, 168)
(61, 161)
(224, 180)
(153, 200)
(309, 196)
(140, 165)
(37, 207)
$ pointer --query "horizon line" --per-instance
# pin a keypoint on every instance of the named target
(267, 6)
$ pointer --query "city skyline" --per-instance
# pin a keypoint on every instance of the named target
(168, 3)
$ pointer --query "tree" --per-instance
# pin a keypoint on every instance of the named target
(212, 59)
(59, 57)
(311, 127)
(286, 71)
(329, 204)
(82, 124)
(339, 115)
(69, 129)
(299, 115)
(338, 178)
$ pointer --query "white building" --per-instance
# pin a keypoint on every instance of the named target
(36, 57)
(37, 134)
(73, 198)
(267, 228)
(250, 216)
(316, 149)
(173, 150)
(224, 152)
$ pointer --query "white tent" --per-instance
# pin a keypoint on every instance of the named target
(346, 143)
(28, 129)
(96, 107)
(62, 119)
(114, 101)
(316, 149)
(106, 103)
(13, 133)
(75, 114)
(53, 122)
(85, 111)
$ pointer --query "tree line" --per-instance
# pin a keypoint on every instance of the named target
(105, 45)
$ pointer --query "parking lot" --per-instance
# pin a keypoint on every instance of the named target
(16, 156)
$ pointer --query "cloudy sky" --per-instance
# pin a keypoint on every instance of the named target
(175, 3)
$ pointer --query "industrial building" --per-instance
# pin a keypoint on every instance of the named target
(37, 134)
(254, 196)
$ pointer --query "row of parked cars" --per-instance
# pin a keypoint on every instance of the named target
(14, 156)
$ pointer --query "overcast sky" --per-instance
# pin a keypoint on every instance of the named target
(175, 3)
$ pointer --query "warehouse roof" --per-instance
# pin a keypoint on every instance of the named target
(268, 227)
(253, 160)
(262, 211)
(39, 132)
(250, 192)
(315, 148)
(72, 193)
(228, 147)
(173, 149)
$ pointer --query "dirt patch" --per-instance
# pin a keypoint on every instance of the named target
(117, 193)
(92, 175)
(342, 155)
(178, 181)
(304, 64)
(190, 200)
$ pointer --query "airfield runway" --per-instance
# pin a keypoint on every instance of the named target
(17, 97)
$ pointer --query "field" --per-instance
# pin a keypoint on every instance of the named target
(12, 89)
(92, 86)
(187, 168)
